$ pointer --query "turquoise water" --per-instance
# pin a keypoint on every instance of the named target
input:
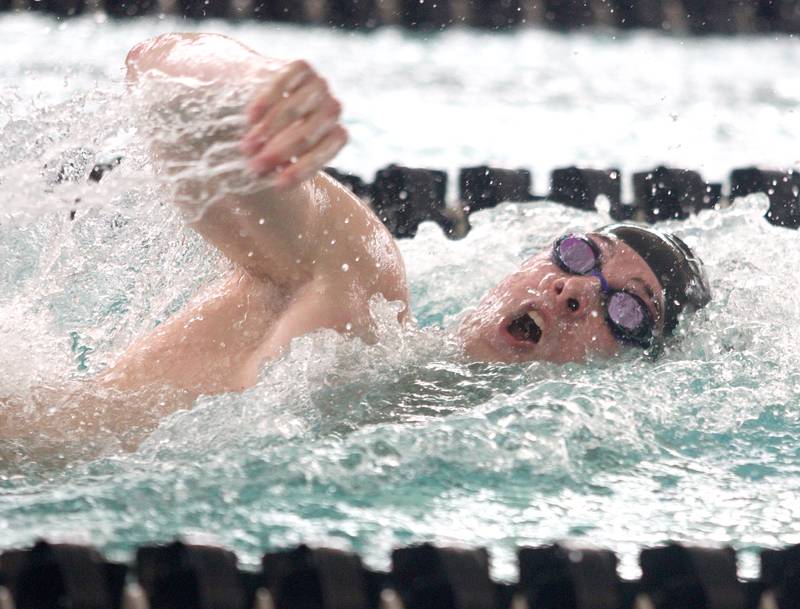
(373, 447)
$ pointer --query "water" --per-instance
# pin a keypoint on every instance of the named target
(372, 447)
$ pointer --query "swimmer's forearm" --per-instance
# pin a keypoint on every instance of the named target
(285, 220)
(81, 417)
(290, 223)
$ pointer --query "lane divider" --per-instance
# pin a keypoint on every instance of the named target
(404, 197)
(184, 575)
(698, 17)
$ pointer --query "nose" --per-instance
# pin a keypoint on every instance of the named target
(576, 295)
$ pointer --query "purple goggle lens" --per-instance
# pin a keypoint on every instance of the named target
(577, 255)
(626, 311)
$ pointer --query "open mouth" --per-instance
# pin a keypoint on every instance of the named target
(526, 328)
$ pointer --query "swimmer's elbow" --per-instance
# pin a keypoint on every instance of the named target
(206, 57)
(149, 54)
(136, 58)
(134, 54)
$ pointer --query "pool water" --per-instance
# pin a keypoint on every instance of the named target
(371, 447)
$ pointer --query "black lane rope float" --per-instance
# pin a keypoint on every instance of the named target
(404, 197)
(183, 575)
(686, 16)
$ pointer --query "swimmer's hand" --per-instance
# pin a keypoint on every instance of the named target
(294, 126)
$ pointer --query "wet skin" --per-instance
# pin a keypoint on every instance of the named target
(305, 254)
(569, 309)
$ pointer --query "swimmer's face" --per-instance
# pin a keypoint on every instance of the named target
(568, 309)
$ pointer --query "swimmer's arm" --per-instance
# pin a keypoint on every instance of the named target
(86, 418)
(317, 231)
(295, 224)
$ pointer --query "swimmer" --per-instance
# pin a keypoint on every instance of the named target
(306, 254)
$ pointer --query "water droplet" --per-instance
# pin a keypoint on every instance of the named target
(348, 326)
(261, 220)
(345, 267)
(333, 241)
(249, 254)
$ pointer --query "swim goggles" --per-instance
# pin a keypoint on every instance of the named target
(626, 314)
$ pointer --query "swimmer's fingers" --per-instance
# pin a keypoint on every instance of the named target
(289, 79)
(284, 112)
(315, 159)
(297, 139)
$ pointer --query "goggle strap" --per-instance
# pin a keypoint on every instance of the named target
(619, 331)
(604, 287)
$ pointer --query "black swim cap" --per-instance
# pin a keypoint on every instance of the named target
(682, 275)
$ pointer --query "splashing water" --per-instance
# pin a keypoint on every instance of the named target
(369, 447)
